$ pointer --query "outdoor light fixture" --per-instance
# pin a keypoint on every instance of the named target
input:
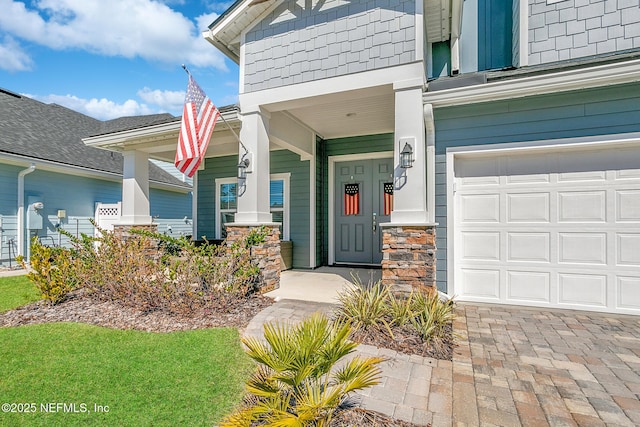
(406, 156)
(242, 168)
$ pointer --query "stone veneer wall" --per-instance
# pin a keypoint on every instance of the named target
(124, 232)
(408, 257)
(266, 255)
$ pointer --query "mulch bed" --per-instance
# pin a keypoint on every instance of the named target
(406, 340)
(358, 417)
(81, 308)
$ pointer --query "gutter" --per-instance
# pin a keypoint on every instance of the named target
(21, 230)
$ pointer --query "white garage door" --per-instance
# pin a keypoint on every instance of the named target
(556, 229)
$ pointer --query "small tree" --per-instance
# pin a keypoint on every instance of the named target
(297, 382)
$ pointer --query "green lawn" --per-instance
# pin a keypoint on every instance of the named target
(16, 291)
(144, 379)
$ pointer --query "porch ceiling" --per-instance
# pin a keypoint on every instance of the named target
(364, 114)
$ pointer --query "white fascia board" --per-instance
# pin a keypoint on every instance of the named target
(118, 139)
(302, 94)
(51, 166)
(598, 76)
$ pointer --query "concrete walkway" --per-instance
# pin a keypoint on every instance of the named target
(514, 366)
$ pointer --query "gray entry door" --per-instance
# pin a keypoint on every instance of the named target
(359, 201)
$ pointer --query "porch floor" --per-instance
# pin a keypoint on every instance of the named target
(320, 285)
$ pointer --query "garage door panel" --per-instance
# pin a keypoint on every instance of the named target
(580, 206)
(582, 289)
(528, 207)
(483, 171)
(528, 286)
(481, 246)
(481, 208)
(628, 292)
(586, 166)
(480, 283)
(628, 205)
(533, 247)
(583, 248)
(628, 249)
(561, 230)
(528, 170)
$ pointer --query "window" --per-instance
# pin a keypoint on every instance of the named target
(226, 203)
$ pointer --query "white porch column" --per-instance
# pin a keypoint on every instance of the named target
(135, 188)
(253, 194)
(410, 192)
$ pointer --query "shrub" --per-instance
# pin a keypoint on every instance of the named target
(297, 381)
(364, 306)
(52, 271)
(373, 308)
(432, 315)
(148, 271)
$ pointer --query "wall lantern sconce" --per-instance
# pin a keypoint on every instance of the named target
(406, 155)
(243, 167)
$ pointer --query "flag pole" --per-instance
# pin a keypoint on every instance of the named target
(222, 117)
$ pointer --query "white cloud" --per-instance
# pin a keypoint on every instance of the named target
(102, 109)
(167, 100)
(127, 28)
(12, 57)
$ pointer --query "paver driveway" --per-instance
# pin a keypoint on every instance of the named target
(528, 366)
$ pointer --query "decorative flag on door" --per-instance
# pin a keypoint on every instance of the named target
(352, 199)
(388, 198)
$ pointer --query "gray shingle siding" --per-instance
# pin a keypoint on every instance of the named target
(573, 29)
(294, 45)
(602, 111)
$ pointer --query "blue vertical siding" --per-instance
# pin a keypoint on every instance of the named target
(602, 111)
(495, 34)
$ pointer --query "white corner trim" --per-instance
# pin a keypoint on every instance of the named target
(597, 76)
(523, 55)
(331, 205)
(312, 205)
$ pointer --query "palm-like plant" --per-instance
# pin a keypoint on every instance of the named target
(297, 382)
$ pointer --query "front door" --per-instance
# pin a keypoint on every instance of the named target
(363, 196)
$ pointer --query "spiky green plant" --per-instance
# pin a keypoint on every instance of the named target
(297, 382)
(401, 308)
(432, 315)
(365, 306)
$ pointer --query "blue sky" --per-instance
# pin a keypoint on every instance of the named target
(113, 58)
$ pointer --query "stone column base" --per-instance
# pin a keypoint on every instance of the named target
(408, 257)
(265, 255)
(124, 232)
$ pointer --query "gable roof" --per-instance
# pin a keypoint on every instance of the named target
(442, 20)
(50, 132)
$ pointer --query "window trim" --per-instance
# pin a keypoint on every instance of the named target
(285, 177)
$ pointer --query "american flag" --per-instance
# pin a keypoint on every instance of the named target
(198, 119)
(352, 199)
(388, 198)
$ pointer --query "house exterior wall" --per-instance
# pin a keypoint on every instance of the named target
(282, 161)
(339, 147)
(602, 111)
(572, 29)
(78, 197)
(295, 44)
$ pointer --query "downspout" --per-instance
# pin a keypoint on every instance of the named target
(21, 230)
(430, 140)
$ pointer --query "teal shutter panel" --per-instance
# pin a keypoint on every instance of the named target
(495, 34)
